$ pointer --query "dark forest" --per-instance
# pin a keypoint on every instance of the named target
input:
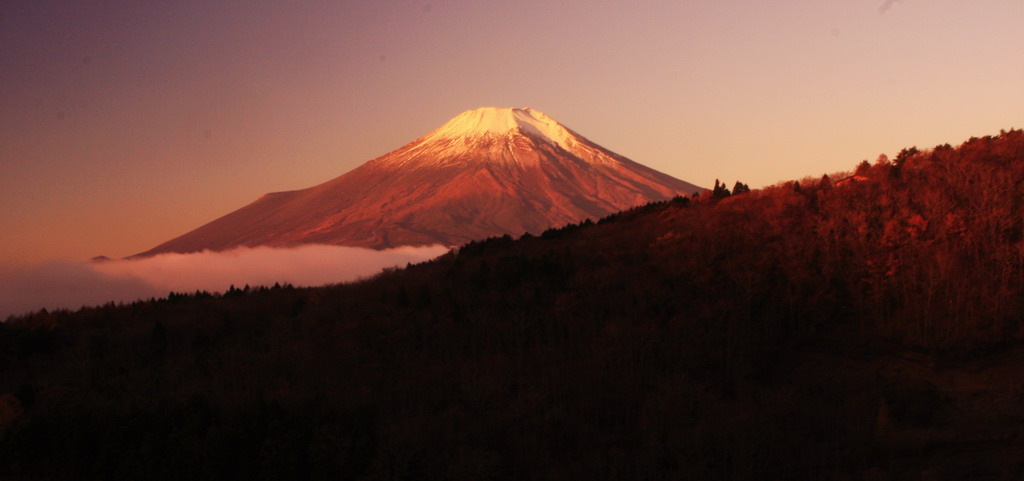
(861, 325)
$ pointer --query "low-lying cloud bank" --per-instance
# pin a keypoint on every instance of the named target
(75, 284)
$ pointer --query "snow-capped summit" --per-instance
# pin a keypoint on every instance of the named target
(497, 121)
(486, 172)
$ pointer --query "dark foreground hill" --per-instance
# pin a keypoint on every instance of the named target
(861, 327)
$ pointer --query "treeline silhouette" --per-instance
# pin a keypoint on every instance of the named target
(864, 325)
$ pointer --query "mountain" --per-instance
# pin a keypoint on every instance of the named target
(486, 172)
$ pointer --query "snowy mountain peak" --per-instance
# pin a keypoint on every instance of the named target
(486, 172)
(501, 121)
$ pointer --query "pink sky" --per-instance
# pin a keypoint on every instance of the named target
(123, 124)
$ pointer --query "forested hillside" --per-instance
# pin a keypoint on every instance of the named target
(866, 325)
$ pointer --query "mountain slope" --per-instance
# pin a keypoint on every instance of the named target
(486, 172)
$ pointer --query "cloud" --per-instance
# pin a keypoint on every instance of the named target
(74, 284)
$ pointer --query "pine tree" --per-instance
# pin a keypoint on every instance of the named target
(720, 191)
(740, 188)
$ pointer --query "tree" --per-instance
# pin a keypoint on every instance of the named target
(905, 155)
(740, 188)
(720, 191)
(158, 341)
(863, 168)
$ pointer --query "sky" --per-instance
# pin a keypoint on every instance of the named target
(126, 123)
